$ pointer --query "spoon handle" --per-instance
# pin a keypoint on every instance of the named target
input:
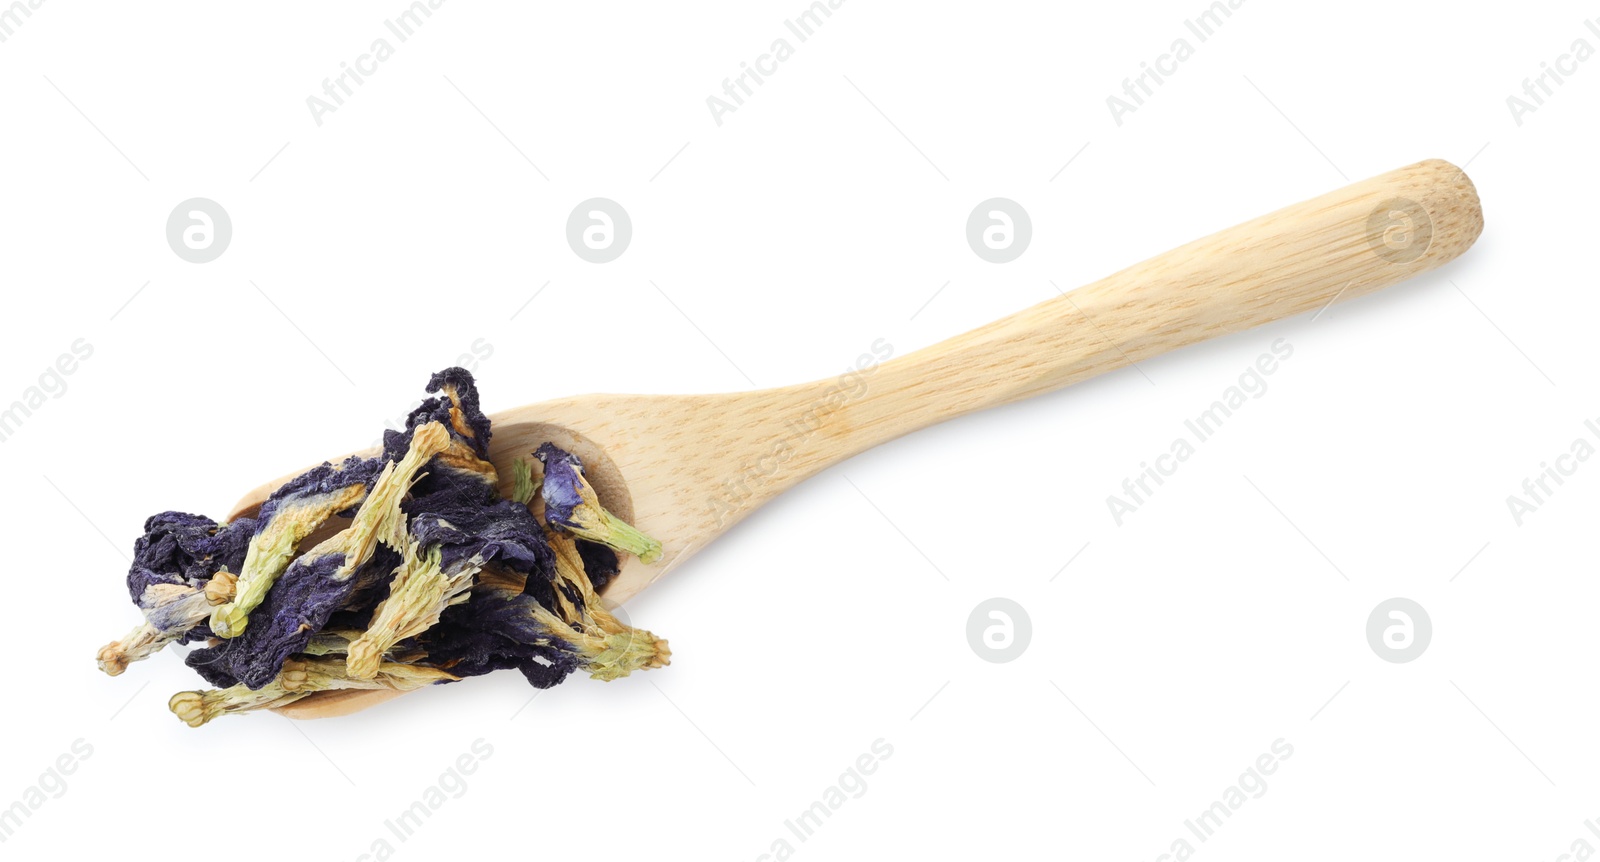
(1349, 242)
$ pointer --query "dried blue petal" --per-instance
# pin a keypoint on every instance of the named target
(321, 480)
(296, 608)
(457, 410)
(179, 548)
(494, 630)
(571, 504)
(500, 532)
(291, 514)
(599, 563)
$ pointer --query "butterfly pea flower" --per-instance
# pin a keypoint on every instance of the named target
(605, 655)
(337, 641)
(475, 526)
(579, 593)
(172, 612)
(607, 648)
(419, 593)
(490, 632)
(434, 578)
(465, 464)
(180, 548)
(461, 536)
(291, 514)
(314, 587)
(571, 504)
(599, 561)
(510, 625)
(177, 554)
(309, 676)
(459, 410)
(503, 626)
(489, 530)
(227, 664)
(321, 580)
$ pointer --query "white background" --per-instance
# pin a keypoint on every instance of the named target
(822, 215)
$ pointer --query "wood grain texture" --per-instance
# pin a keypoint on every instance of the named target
(685, 468)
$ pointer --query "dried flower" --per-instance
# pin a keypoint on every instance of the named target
(434, 578)
(571, 504)
(310, 676)
(292, 513)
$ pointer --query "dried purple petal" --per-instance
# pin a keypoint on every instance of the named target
(495, 629)
(599, 563)
(458, 411)
(296, 608)
(500, 532)
(571, 504)
(179, 548)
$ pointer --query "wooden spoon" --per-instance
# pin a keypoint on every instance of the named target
(685, 468)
